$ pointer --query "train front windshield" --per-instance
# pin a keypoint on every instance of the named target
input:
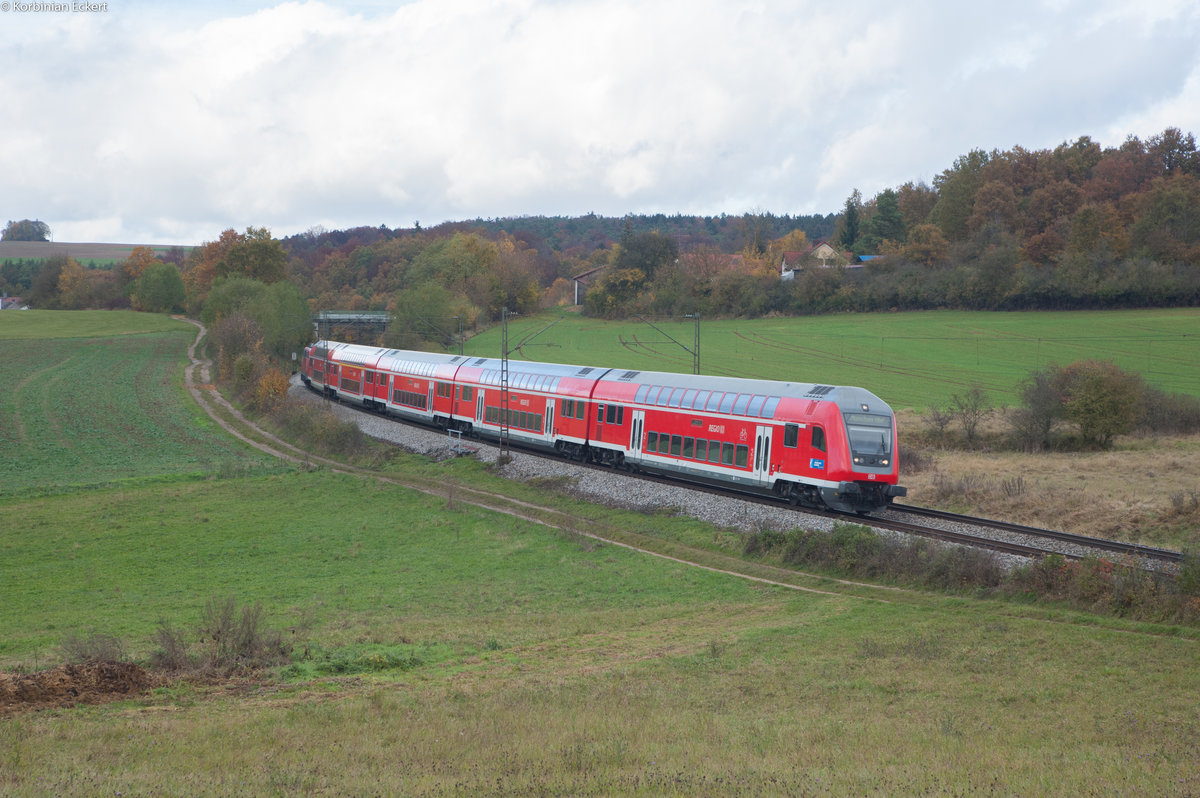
(870, 438)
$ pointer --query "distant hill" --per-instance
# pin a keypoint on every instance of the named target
(36, 250)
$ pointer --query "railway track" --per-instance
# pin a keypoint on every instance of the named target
(1014, 539)
(1085, 542)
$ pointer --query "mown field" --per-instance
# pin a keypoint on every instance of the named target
(911, 360)
(441, 649)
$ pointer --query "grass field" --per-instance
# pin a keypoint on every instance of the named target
(911, 360)
(534, 662)
(443, 649)
(71, 381)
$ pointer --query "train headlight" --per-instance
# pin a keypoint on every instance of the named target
(884, 461)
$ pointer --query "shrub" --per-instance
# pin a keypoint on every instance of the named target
(1174, 414)
(271, 389)
(92, 647)
(234, 638)
(172, 652)
(971, 408)
(1100, 398)
(915, 461)
(313, 426)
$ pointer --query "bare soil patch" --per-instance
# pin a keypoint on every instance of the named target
(68, 685)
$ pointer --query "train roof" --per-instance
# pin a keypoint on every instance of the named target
(532, 375)
(763, 398)
(639, 386)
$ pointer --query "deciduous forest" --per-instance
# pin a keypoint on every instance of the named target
(1077, 226)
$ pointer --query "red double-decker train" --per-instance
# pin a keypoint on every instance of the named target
(818, 445)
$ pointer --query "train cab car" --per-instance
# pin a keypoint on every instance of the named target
(545, 403)
(817, 445)
(839, 449)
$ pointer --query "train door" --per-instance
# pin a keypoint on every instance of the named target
(635, 434)
(549, 428)
(479, 407)
(762, 455)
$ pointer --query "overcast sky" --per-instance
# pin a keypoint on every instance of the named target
(149, 122)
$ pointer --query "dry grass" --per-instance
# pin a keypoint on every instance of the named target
(1144, 490)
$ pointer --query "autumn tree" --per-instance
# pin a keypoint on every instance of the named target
(422, 318)
(645, 252)
(132, 268)
(956, 194)
(254, 254)
(26, 230)
(995, 204)
(916, 201)
(795, 241)
(1174, 152)
(159, 288)
(1168, 223)
(926, 244)
(72, 286)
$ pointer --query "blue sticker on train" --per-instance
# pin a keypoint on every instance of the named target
(817, 464)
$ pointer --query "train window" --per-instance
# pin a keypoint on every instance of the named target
(652, 394)
(676, 443)
(818, 439)
(727, 402)
(714, 400)
(580, 407)
(743, 455)
(615, 415)
(640, 396)
(599, 414)
(652, 441)
(755, 405)
(688, 397)
(566, 407)
(714, 451)
(701, 449)
(689, 446)
(727, 454)
(663, 397)
(676, 397)
(739, 407)
(537, 421)
(468, 393)
(701, 398)
(791, 435)
(768, 410)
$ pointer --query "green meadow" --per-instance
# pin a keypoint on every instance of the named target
(443, 649)
(96, 397)
(909, 359)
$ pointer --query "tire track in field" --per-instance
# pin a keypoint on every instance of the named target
(16, 390)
